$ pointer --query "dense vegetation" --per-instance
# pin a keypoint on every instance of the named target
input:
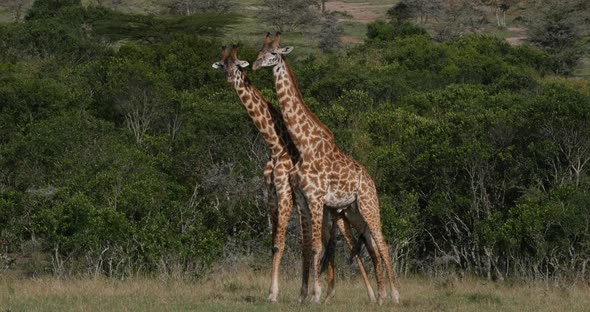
(122, 151)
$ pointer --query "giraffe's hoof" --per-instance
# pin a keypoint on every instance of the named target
(381, 295)
(315, 299)
(372, 298)
(272, 298)
(395, 296)
(301, 299)
(329, 298)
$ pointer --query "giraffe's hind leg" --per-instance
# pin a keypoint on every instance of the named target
(368, 205)
(329, 240)
(344, 226)
(377, 263)
(305, 225)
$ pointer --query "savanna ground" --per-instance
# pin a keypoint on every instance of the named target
(247, 290)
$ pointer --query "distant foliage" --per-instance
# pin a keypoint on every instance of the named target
(69, 30)
(122, 152)
(458, 18)
(189, 7)
(290, 15)
(49, 8)
(401, 12)
(379, 30)
(119, 26)
(562, 31)
(420, 11)
(330, 34)
(449, 19)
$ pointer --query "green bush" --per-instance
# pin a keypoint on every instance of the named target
(380, 30)
(122, 151)
(49, 8)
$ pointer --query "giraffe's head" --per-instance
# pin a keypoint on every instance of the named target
(231, 65)
(271, 54)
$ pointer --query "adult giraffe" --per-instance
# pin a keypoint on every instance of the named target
(284, 155)
(324, 175)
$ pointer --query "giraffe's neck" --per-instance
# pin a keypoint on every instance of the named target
(304, 127)
(265, 117)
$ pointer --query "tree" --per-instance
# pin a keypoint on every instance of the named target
(458, 18)
(379, 30)
(401, 12)
(289, 15)
(49, 8)
(562, 116)
(114, 3)
(189, 7)
(424, 9)
(421, 10)
(330, 33)
(454, 18)
(560, 31)
(500, 8)
(140, 93)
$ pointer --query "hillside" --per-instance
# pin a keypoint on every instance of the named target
(353, 16)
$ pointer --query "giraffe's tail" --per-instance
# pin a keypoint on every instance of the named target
(357, 248)
(328, 254)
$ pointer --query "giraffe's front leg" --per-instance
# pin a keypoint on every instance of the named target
(274, 214)
(316, 206)
(281, 220)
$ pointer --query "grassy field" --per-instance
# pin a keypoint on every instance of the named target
(247, 291)
(584, 68)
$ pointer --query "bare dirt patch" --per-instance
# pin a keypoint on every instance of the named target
(519, 35)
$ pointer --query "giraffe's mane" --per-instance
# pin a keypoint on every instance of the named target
(298, 95)
(277, 120)
(246, 79)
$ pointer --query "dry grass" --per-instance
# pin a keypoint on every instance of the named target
(364, 12)
(246, 291)
(583, 69)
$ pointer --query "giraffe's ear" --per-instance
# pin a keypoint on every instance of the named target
(285, 50)
(243, 64)
(217, 65)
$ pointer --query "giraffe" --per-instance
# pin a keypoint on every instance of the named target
(324, 175)
(284, 155)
